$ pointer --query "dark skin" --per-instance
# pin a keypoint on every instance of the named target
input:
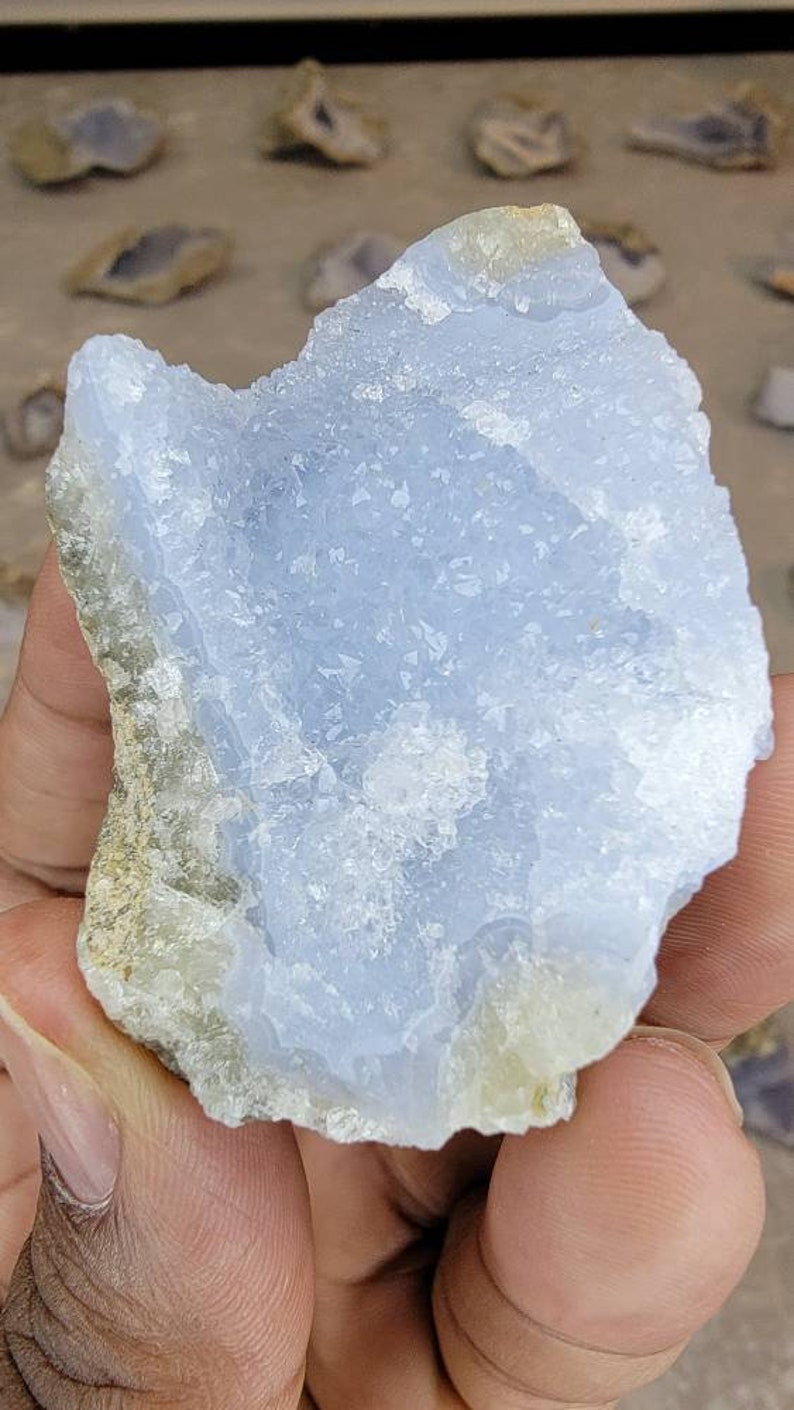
(264, 1268)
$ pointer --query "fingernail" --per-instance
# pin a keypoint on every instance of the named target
(76, 1128)
(705, 1055)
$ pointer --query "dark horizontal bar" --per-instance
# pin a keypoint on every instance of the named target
(211, 44)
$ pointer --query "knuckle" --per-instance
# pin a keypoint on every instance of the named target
(493, 1348)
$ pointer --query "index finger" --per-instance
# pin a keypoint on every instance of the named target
(727, 959)
(56, 748)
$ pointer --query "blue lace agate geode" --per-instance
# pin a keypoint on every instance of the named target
(435, 685)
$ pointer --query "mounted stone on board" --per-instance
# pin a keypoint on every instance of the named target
(111, 135)
(312, 117)
(151, 266)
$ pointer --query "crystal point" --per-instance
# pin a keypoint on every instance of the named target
(435, 685)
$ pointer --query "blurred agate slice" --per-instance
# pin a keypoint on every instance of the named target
(312, 117)
(746, 130)
(515, 135)
(629, 259)
(762, 1067)
(435, 684)
(33, 426)
(776, 272)
(151, 266)
(110, 135)
(774, 402)
(343, 268)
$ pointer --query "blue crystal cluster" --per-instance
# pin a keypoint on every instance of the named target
(435, 686)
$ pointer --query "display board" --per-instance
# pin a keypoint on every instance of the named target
(126, 11)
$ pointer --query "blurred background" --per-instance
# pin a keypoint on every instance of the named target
(711, 242)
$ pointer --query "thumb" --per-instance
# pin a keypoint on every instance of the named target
(170, 1260)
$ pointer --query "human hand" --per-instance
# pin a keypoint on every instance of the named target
(172, 1261)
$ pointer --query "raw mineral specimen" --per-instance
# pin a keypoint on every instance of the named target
(762, 1067)
(775, 400)
(110, 135)
(517, 136)
(312, 117)
(435, 684)
(629, 259)
(746, 130)
(339, 270)
(33, 427)
(12, 625)
(16, 584)
(151, 266)
(777, 271)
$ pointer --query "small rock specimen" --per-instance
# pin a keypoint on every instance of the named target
(312, 118)
(111, 135)
(517, 136)
(16, 584)
(778, 275)
(629, 259)
(12, 624)
(151, 266)
(762, 1068)
(342, 269)
(746, 130)
(435, 685)
(33, 427)
(775, 400)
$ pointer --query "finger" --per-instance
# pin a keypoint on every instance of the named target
(19, 1179)
(378, 1213)
(16, 888)
(728, 958)
(370, 1202)
(603, 1243)
(55, 745)
(170, 1258)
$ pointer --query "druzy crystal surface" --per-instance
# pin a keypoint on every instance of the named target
(435, 685)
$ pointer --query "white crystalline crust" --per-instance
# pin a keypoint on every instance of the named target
(435, 685)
